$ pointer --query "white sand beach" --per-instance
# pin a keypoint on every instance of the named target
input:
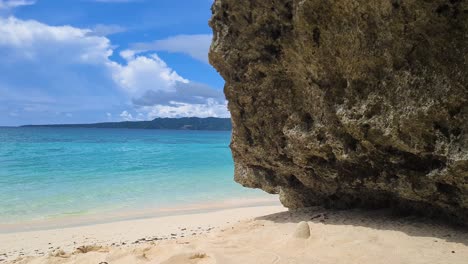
(261, 234)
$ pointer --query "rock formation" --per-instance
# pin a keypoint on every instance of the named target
(348, 103)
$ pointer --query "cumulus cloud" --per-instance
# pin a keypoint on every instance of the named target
(158, 91)
(145, 73)
(48, 69)
(196, 46)
(126, 116)
(209, 109)
(29, 40)
(187, 93)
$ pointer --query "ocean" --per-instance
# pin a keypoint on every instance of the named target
(50, 173)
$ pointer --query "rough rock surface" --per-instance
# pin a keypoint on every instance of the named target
(348, 103)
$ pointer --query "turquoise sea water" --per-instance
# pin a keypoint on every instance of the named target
(53, 172)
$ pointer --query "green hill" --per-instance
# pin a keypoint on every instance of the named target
(186, 123)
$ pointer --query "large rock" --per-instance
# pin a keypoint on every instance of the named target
(348, 103)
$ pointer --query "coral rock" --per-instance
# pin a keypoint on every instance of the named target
(348, 103)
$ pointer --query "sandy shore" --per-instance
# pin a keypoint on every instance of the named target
(263, 234)
(141, 213)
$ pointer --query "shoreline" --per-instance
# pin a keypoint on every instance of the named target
(125, 233)
(132, 214)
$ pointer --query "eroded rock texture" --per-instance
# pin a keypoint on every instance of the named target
(348, 103)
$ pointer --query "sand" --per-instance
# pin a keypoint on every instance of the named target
(262, 234)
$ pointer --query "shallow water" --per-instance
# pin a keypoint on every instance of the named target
(48, 173)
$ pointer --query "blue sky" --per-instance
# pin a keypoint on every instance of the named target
(81, 61)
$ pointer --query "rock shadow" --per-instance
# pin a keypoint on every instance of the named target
(384, 219)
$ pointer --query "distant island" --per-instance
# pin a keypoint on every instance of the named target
(185, 123)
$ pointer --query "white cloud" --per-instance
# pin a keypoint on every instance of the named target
(72, 68)
(8, 4)
(128, 54)
(64, 65)
(106, 30)
(29, 39)
(196, 46)
(126, 116)
(188, 93)
(109, 117)
(210, 109)
(143, 73)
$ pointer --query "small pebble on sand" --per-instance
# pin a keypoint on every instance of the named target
(302, 230)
